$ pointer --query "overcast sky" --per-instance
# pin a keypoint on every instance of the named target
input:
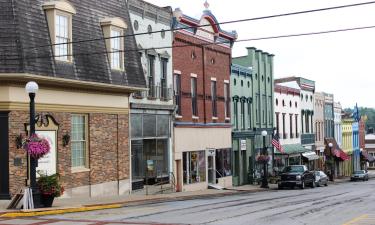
(341, 63)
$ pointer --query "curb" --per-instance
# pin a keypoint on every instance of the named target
(95, 207)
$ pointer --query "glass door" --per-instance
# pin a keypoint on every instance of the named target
(211, 170)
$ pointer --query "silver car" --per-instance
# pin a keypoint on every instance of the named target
(359, 175)
(321, 178)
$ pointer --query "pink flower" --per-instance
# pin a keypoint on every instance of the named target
(37, 147)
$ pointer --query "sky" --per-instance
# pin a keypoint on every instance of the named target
(339, 63)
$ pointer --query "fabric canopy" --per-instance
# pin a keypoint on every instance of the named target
(310, 155)
(367, 156)
(293, 149)
(335, 150)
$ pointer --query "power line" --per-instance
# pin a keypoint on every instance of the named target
(204, 44)
(221, 23)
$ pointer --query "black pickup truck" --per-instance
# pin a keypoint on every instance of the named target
(296, 175)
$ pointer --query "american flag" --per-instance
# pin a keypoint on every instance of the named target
(276, 143)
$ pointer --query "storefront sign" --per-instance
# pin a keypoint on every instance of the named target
(47, 164)
(243, 144)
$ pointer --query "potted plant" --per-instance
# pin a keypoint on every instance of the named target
(50, 187)
(36, 146)
(263, 159)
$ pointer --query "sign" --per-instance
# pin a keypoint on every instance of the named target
(243, 144)
(47, 164)
(150, 165)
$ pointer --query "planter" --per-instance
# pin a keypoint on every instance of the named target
(47, 200)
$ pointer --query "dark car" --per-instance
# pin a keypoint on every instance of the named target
(321, 178)
(359, 175)
(296, 175)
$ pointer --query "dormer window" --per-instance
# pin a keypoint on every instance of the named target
(59, 17)
(113, 30)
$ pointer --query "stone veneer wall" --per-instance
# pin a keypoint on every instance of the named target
(108, 150)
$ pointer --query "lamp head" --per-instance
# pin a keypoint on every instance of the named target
(31, 87)
(264, 133)
(330, 145)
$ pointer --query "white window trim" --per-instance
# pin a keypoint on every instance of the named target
(213, 78)
(195, 117)
(86, 167)
(215, 118)
(226, 81)
(177, 72)
(193, 75)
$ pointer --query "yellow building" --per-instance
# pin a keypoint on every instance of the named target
(347, 146)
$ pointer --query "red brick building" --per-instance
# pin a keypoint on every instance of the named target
(201, 63)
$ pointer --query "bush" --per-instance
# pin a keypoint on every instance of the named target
(50, 185)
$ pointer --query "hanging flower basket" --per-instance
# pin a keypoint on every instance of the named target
(36, 146)
(263, 158)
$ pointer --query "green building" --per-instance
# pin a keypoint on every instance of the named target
(252, 112)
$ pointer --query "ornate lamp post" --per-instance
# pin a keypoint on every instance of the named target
(265, 153)
(330, 145)
(32, 88)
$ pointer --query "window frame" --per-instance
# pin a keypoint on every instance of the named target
(193, 93)
(86, 149)
(214, 98)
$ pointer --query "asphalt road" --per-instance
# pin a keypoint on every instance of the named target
(344, 203)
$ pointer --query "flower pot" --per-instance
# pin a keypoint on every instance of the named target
(46, 200)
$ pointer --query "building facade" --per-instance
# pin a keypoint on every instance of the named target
(347, 145)
(202, 127)
(337, 111)
(356, 157)
(370, 150)
(262, 106)
(152, 110)
(83, 99)
(319, 128)
(241, 89)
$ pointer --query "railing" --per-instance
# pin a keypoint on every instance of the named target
(307, 139)
(155, 92)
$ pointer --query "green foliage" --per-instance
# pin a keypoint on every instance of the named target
(50, 185)
(368, 112)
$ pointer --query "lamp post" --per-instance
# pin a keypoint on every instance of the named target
(32, 88)
(265, 172)
(330, 145)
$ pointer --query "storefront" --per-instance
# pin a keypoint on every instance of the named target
(335, 157)
(150, 147)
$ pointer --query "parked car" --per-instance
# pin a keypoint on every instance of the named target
(321, 178)
(359, 175)
(296, 175)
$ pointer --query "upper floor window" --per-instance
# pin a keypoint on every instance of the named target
(177, 92)
(227, 100)
(163, 78)
(151, 76)
(214, 98)
(59, 17)
(194, 100)
(113, 31)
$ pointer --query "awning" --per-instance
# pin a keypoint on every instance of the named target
(293, 149)
(341, 154)
(335, 150)
(310, 155)
(367, 156)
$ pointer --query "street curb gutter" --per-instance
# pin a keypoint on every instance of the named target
(94, 207)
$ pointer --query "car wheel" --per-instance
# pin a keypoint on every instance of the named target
(326, 184)
(318, 184)
(313, 184)
(302, 185)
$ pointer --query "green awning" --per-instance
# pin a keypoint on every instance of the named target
(293, 149)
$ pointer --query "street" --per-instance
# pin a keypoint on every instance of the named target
(344, 203)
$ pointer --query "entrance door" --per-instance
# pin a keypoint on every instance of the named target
(211, 170)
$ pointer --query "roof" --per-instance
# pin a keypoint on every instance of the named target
(23, 29)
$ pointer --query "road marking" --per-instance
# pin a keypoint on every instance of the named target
(360, 219)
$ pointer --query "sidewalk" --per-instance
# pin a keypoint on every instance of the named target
(68, 205)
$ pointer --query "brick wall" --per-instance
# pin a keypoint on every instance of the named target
(219, 69)
(108, 150)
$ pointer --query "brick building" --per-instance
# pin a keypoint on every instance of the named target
(202, 129)
(83, 99)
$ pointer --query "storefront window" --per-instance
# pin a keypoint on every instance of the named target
(223, 162)
(149, 125)
(162, 125)
(194, 167)
(136, 125)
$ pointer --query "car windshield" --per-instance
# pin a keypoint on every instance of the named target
(293, 169)
(317, 173)
(359, 172)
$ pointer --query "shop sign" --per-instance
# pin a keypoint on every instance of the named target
(243, 144)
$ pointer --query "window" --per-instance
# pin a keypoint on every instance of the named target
(241, 83)
(177, 92)
(234, 82)
(277, 123)
(277, 102)
(264, 116)
(194, 102)
(243, 115)
(256, 108)
(194, 167)
(151, 76)
(149, 29)
(214, 98)
(269, 110)
(163, 78)
(291, 125)
(62, 36)
(116, 50)
(284, 128)
(235, 114)
(223, 162)
(79, 141)
(59, 17)
(249, 113)
(114, 27)
(136, 25)
(227, 100)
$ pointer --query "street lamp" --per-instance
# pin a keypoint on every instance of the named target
(265, 180)
(32, 88)
(330, 145)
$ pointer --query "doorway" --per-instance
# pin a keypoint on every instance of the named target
(211, 169)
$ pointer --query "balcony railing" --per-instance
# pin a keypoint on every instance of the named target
(155, 92)
(307, 139)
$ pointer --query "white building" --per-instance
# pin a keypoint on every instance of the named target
(337, 110)
(152, 110)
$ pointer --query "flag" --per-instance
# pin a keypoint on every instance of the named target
(276, 143)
